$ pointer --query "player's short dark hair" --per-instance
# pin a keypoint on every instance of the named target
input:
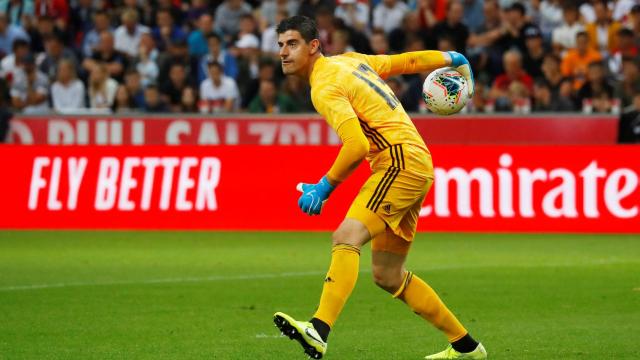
(302, 24)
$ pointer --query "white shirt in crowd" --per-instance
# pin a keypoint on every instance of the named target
(103, 99)
(269, 42)
(389, 18)
(129, 43)
(361, 13)
(67, 98)
(8, 65)
(215, 96)
(20, 88)
(565, 35)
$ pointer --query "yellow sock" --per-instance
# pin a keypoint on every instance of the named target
(425, 302)
(339, 282)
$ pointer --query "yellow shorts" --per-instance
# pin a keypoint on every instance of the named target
(389, 202)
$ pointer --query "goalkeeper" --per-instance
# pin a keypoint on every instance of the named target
(349, 92)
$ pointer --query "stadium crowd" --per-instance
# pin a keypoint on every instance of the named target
(222, 56)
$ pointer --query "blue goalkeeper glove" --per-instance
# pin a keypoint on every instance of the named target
(461, 64)
(314, 195)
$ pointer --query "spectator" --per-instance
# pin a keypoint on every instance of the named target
(551, 73)
(55, 52)
(621, 8)
(634, 20)
(189, 100)
(248, 64)
(145, 63)
(430, 12)
(269, 10)
(135, 88)
(123, 102)
(299, 92)
(219, 55)
(218, 93)
(9, 64)
(544, 101)
(269, 41)
(629, 125)
(576, 61)
(172, 90)
(67, 93)
(153, 102)
(388, 15)
(197, 9)
(178, 53)
(411, 28)
(626, 48)
(564, 37)
(82, 17)
(341, 43)
(358, 40)
(270, 101)
(102, 88)
(30, 88)
(473, 17)
(378, 42)
(453, 27)
(198, 39)
(128, 35)
(8, 34)
(603, 32)
(107, 54)
(248, 28)
(513, 73)
(228, 15)
(165, 30)
(17, 11)
(514, 27)
(92, 38)
(630, 84)
(174, 8)
(353, 13)
(326, 27)
(534, 56)
(550, 16)
(310, 8)
(266, 72)
(596, 89)
(43, 28)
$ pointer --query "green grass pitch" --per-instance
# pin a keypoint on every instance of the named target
(211, 295)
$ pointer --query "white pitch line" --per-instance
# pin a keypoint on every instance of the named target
(164, 281)
(435, 267)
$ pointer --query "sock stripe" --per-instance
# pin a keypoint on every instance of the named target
(346, 247)
(407, 279)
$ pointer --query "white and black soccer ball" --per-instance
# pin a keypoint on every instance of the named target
(445, 91)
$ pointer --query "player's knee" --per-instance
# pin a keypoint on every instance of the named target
(387, 279)
(349, 235)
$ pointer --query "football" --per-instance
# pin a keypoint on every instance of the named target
(445, 91)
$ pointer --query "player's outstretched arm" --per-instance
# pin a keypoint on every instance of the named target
(423, 61)
(354, 149)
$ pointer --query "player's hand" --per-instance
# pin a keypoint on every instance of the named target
(461, 64)
(314, 196)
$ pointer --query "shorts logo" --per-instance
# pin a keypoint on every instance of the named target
(387, 208)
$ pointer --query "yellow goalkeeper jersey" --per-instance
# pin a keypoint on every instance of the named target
(351, 86)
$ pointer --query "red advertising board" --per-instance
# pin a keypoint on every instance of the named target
(303, 130)
(477, 188)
